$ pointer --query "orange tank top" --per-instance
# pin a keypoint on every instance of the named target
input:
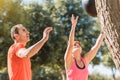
(18, 68)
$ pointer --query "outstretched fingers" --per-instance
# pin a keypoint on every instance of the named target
(74, 20)
(48, 30)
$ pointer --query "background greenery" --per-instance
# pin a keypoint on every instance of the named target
(48, 64)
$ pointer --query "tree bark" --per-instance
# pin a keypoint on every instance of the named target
(108, 13)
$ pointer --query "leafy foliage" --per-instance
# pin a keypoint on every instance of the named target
(11, 14)
(48, 64)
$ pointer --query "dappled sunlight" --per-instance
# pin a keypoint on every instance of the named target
(48, 63)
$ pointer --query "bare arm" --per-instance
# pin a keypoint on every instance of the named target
(92, 53)
(31, 51)
(68, 53)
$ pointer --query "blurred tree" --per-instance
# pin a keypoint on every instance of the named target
(98, 77)
(108, 14)
(109, 63)
(48, 64)
(11, 13)
(58, 15)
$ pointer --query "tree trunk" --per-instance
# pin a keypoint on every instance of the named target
(113, 73)
(108, 12)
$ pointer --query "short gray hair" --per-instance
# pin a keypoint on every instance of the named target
(14, 30)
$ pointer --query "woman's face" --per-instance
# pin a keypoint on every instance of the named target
(76, 49)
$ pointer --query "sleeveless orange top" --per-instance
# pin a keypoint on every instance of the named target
(18, 68)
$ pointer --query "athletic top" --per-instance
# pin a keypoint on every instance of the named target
(18, 68)
(77, 73)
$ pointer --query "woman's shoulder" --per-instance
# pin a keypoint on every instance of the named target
(69, 66)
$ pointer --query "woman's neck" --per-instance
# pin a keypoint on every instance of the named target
(78, 58)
